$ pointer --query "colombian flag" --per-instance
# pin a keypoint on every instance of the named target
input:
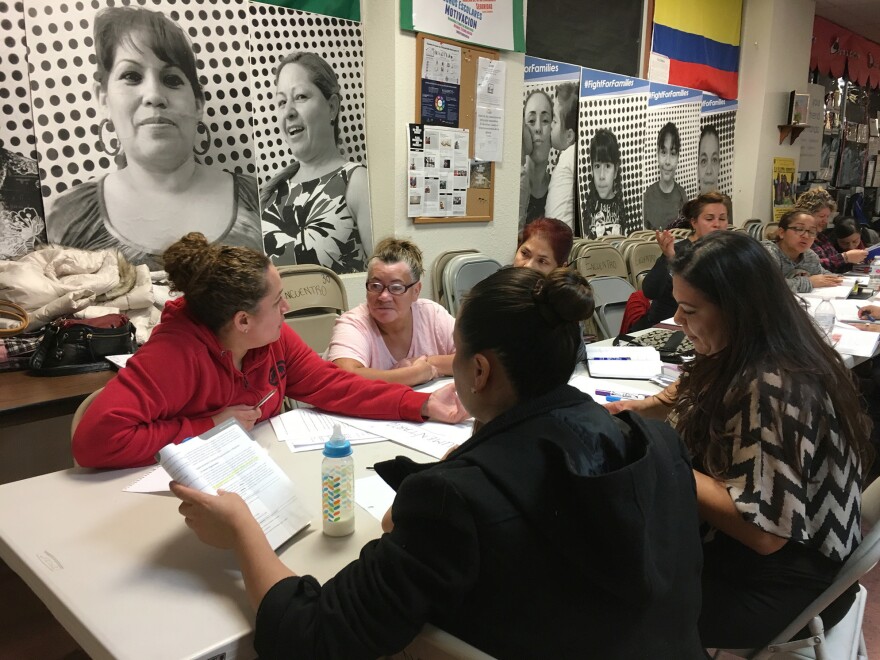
(701, 40)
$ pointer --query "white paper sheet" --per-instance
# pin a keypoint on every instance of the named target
(626, 362)
(305, 429)
(374, 495)
(594, 386)
(154, 481)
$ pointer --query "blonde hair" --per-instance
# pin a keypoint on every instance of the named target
(815, 200)
(399, 250)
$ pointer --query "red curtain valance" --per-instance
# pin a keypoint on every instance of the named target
(837, 50)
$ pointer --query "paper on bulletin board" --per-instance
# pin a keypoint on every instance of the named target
(490, 82)
(440, 103)
(488, 128)
(438, 172)
(810, 139)
(441, 62)
(783, 185)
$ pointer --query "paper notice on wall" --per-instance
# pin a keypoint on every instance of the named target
(658, 68)
(810, 139)
(415, 174)
(490, 82)
(489, 125)
(441, 62)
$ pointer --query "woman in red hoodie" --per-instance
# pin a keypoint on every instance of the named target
(216, 354)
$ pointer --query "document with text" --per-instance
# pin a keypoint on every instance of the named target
(226, 458)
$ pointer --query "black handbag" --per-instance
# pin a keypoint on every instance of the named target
(75, 346)
(673, 345)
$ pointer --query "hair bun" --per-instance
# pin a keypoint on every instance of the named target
(188, 261)
(568, 294)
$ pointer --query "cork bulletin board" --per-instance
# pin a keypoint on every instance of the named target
(480, 201)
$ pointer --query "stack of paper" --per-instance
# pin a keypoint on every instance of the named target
(635, 362)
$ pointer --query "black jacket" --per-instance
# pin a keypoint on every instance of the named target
(555, 531)
(658, 287)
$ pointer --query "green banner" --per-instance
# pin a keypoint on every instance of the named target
(348, 9)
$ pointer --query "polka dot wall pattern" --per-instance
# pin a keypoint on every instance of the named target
(276, 32)
(724, 123)
(686, 117)
(17, 128)
(625, 116)
(62, 67)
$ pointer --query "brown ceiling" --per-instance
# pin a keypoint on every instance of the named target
(860, 16)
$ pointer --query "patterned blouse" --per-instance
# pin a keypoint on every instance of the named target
(79, 219)
(829, 256)
(309, 222)
(821, 508)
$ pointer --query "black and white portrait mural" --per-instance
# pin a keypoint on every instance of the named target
(611, 146)
(715, 148)
(22, 224)
(143, 123)
(308, 78)
(671, 137)
(549, 155)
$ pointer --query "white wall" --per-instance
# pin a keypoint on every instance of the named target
(774, 59)
(390, 98)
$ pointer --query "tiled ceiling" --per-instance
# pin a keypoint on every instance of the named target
(860, 16)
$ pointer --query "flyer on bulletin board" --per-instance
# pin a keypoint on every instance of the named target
(438, 173)
(783, 186)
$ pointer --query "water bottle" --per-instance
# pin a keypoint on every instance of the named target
(825, 316)
(337, 485)
(874, 275)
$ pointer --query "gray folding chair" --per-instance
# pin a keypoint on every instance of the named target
(316, 296)
(845, 640)
(460, 275)
(610, 294)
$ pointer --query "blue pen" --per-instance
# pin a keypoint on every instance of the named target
(610, 358)
(868, 316)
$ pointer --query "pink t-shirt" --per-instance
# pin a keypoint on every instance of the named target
(356, 336)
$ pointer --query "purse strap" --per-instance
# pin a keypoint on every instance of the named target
(15, 312)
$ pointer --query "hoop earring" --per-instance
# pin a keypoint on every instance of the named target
(102, 144)
(207, 141)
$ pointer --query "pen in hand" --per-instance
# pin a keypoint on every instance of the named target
(264, 399)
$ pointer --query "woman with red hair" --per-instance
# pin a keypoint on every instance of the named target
(545, 245)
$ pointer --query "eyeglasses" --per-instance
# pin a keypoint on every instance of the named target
(395, 288)
(803, 231)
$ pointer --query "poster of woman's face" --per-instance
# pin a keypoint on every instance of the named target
(22, 225)
(309, 123)
(143, 124)
(715, 150)
(549, 137)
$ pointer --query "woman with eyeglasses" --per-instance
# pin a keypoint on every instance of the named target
(394, 336)
(799, 264)
(219, 350)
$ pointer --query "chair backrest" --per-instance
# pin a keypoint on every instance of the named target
(435, 644)
(461, 274)
(316, 296)
(600, 259)
(439, 266)
(640, 279)
(641, 257)
(610, 294)
(771, 229)
(859, 562)
(79, 412)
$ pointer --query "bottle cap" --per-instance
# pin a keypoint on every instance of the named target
(337, 446)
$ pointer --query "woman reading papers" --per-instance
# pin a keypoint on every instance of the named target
(217, 352)
(554, 531)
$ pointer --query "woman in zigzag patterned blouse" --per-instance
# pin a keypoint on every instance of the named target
(779, 443)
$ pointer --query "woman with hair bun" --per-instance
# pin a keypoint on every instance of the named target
(554, 529)
(217, 352)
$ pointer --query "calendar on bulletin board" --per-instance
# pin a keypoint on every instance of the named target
(444, 181)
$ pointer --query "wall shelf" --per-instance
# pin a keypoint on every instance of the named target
(790, 129)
